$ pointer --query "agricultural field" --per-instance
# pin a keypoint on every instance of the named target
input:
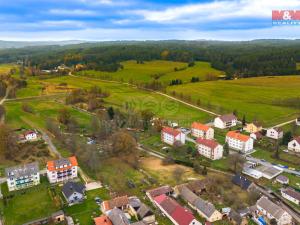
(202, 70)
(5, 68)
(252, 97)
(42, 109)
(159, 70)
(138, 99)
(138, 73)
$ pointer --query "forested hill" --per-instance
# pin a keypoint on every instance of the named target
(243, 59)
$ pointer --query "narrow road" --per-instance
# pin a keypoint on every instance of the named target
(285, 123)
(34, 97)
(5, 97)
(51, 146)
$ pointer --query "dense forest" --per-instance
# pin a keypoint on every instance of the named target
(242, 59)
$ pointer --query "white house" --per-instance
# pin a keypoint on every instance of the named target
(209, 148)
(225, 121)
(273, 211)
(21, 177)
(62, 170)
(294, 145)
(171, 136)
(30, 135)
(291, 195)
(239, 141)
(73, 192)
(201, 130)
(275, 133)
(298, 121)
(282, 179)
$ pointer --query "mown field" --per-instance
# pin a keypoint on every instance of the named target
(253, 97)
(136, 98)
(159, 70)
(5, 68)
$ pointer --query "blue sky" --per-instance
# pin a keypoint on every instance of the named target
(143, 19)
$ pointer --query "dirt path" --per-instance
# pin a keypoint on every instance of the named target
(156, 92)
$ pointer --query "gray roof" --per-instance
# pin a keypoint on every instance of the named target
(134, 202)
(138, 223)
(228, 117)
(205, 207)
(282, 178)
(144, 211)
(70, 187)
(61, 162)
(117, 217)
(291, 192)
(188, 195)
(270, 207)
(22, 171)
(235, 217)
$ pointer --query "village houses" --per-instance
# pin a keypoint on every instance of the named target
(172, 136)
(291, 195)
(225, 121)
(275, 133)
(209, 148)
(204, 208)
(239, 142)
(282, 179)
(62, 169)
(253, 127)
(294, 145)
(273, 211)
(20, 177)
(201, 130)
(121, 203)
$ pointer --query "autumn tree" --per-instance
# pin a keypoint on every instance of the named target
(236, 162)
(64, 116)
(226, 149)
(178, 174)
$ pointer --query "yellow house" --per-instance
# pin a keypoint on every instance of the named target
(253, 127)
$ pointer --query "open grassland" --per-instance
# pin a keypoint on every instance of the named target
(42, 110)
(253, 97)
(202, 70)
(139, 100)
(132, 71)
(158, 70)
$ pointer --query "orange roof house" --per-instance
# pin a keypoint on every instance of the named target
(62, 164)
(238, 136)
(102, 220)
(200, 126)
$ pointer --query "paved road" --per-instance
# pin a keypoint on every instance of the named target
(51, 146)
(285, 123)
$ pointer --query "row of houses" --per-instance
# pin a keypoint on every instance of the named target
(120, 210)
(28, 175)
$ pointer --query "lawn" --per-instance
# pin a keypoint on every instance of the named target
(28, 204)
(139, 99)
(137, 73)
(5, 68)
(84, 212)
(252, 97)
(291, 160)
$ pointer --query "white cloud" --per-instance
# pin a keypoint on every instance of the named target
(74, 12)
(217, 10)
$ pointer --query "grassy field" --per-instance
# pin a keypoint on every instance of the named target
(5, 68)
(252, 97)
(200, 69)
(42, 110)
(137, 72)
(159, 70)
(29, 204)
(139, 100)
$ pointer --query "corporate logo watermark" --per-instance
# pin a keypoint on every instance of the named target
(286, 17)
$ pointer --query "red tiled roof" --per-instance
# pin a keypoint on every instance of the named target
(170, 131)
(200, 126)
(102, 220)
(238, 136)
(209, 143)
(52, 167)
(182, 216)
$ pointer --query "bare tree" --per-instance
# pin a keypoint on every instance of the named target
(178, 174)
(236, 162)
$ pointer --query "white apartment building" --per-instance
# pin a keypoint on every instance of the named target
(171, 136)
(225, 121)
(209, 148)
(239, 142)
(201, 130)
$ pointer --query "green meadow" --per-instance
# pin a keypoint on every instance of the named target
(121, 94)
(252, 97)
(138, 73)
